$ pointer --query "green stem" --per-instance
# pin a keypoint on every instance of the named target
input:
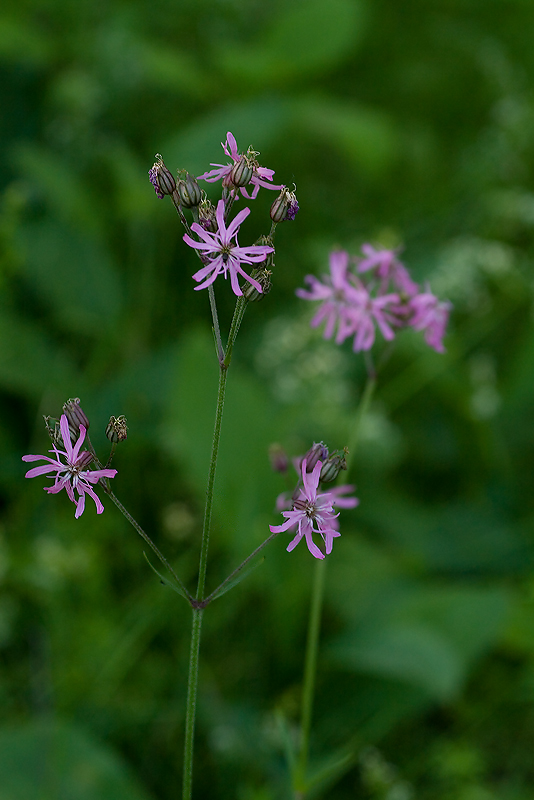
(192, 683)
(310, 671)
(211, 482)
(192, 686)
(361, 411)
(216, 328)
(239, 313)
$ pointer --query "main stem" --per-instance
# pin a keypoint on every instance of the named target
(211, 482)
(310, 671)
(191, 705)
(192, 684)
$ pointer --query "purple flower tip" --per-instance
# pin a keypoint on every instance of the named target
(293, 210)
(153, 177)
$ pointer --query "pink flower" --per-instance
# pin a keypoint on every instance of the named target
(336, 293)
(387, 268)
(285, 500)
(348, 304)
(344, 502)
(352, 307)
(360, 319)
(223, 254)
(311, 513)
(71, 475)
(431, 316)
(260, 175)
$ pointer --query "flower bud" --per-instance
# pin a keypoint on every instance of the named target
(75, 415)
(285, 206)
(242, 172)
(84, 459)
(116, 429)
(264, 279)
(161, 178)
(332, 467)
(188, 191)
(278, 458)
(318, 452)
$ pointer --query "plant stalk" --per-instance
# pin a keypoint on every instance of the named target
(310, 671)
(190, 715)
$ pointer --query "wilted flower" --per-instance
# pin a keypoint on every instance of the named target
(72, 474)
(285, 207)
(161, 178)
(117, 429)
(223, 253)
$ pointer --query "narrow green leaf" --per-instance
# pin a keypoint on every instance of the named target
(331, 769)
(287, 741)
(165, 581)
(238, 578)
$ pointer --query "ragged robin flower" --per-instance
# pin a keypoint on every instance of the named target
(71, 473)
(221, 253)
(259, 176)
(314, 513)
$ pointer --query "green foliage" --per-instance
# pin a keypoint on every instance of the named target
(50, 760)
(400, 123)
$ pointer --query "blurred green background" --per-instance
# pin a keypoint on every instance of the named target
(400, 123)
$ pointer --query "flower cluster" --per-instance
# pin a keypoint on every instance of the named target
(310, 511)
(212, 234)
(361, 294)
(71, 473)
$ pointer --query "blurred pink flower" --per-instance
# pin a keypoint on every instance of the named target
(72, 474)
(260, 175)
(355, 306)
(223, 254)
(387, 268)
(336, 293)
(361, 317)
(311, 513)
(344, 502)
(348, 304)
(431, 316)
